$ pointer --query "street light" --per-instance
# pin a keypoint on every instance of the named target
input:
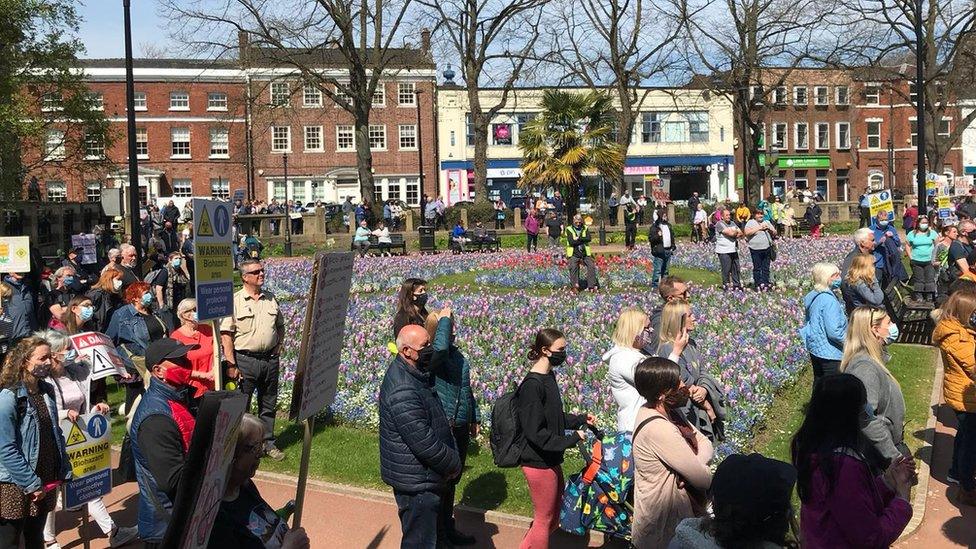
(603, 217)
(920, 109)
(130, 117)
(284, 160)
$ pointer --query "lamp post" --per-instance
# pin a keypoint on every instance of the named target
(603, 217)
(420, 149)
(920, 108)
(891, 137)
(130, 117)
(284, 161)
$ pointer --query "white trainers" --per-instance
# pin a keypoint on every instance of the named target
(52, 545)
(123, 535)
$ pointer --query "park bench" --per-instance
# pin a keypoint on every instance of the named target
(914, 319)
(493, 243)
(802, 227)
(397, 245)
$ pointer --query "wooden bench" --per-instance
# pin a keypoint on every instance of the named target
(492, 242)
(914, 319)
(802, 227)
(397, 245)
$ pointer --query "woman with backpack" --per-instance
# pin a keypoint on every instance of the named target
(543, 423)
(826, 323)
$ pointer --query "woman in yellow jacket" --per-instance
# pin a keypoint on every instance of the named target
(955, 334)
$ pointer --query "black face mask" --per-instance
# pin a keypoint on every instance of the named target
(972, 236)
(424, 356)
(557, 358)
(420, 300)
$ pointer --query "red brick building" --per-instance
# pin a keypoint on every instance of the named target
(193, 117)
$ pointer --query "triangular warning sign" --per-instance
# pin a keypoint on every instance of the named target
(75, 436)
(205, 228)
(101, 363)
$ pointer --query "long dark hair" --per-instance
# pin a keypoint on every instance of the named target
(405, 305)
(544, 339)
(833, 421)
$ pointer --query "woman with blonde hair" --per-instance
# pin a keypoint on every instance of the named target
(861, 287)
(955, 334)
(632, 332)
(868, 332)
(705, 408)
(823, 333)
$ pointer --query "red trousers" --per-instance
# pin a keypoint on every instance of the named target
(546, 489)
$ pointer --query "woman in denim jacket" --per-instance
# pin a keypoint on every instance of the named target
(132, 327)
(33, 461)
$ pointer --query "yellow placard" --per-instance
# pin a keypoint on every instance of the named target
(214, 262)
(87, 459)
(205, 228)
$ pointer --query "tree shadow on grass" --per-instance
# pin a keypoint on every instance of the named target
(486, 492)
(294, 433)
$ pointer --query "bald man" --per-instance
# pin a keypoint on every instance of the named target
(418, 456)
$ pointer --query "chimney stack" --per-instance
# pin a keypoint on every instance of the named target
(425, 40)
(242, 47)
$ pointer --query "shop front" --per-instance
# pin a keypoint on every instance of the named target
(789, 173)
(709, 176)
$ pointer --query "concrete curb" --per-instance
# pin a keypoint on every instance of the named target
(924, 472)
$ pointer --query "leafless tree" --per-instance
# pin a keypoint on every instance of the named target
(360, 38)
(153, 50)
(492, 40)
(745, 43)
(622, 45)
(889, 49)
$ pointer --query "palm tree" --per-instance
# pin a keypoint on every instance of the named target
(570, 138)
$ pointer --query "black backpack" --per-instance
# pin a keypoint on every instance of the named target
(507, 440)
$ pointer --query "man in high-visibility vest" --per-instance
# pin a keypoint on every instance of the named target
(578, 251)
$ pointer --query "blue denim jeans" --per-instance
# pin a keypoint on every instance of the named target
(760, 268)
(660, 267)
(964, 450)
(418, 518)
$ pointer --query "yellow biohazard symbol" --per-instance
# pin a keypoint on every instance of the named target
(205, 228)
(75, 436)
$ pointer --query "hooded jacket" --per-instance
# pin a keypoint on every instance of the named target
(958, 346)
(622, 362)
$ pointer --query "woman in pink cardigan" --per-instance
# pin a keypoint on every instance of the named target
(844, 503)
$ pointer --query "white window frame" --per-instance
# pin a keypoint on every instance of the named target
(56, 191)
(411, 184)
(183, 187)
(377, 128)
(798, 144)
(757, 90)
(408, 128)
(96, 100)
(816, 183)
(275, 94)
(872, 97)
(817, 95)
(779, 95)
(350, 137)
(379, 92)
(54, 148)
(96, 145)
(867, 132)
(220, 188)
(339, 94)
(144, 132)
(841, 146)
(321, 138)
(784, 145)
(89, 195)
(948, 122)
(275, 137)
(173, 142)
(806, 96)
(217, 101)
(412, 94)
(177, 99)
(52, 102)
(311, 91)
(141, 101)
(847, 95)
(215, 152)
(816, 136)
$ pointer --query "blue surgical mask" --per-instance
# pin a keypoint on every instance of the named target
(883, 223)
(196, 317)
(87, 313)
(147, 298)
(69, 280)
(834, 284)
(892, 334)
(177, 262)
(71, 356)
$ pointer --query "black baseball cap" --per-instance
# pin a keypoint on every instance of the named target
(752, 484)
(164, 349)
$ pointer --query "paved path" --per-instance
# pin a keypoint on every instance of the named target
(335, 516)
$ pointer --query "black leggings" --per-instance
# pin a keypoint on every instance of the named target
(531, 242)
(823, 367)
(30, 529)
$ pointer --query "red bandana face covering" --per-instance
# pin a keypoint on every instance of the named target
(177, 376)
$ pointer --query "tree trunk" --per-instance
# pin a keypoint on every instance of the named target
(625, 126)
(364, 158)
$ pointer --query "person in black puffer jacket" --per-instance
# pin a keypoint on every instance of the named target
(418, 456)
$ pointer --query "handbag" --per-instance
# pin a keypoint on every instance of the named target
(772, 251)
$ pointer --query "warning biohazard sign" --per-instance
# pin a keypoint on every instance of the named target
(204, 228)
(97, 350)
(75, 436)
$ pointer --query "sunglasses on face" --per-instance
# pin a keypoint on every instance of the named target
(257, 272)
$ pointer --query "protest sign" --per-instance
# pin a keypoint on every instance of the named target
(87, 244)
(944, 204)
(213, 259)
(660, 188)
(14, 254)
(88, 441)
(881, 202)
(206, 470)
(97, 350)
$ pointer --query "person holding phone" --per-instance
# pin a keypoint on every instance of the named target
(705, 408)
(33, 460)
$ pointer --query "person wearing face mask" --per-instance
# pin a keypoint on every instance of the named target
(69, 377)
(59, 297)
(113, 258)
(80, 316)
(887, 250)
(172, 285)
(411, 304)
(418, 454)
(106, 297)
(199, 336)
(452, 381)
(127, 265)
(883, 426)
(161, 429)
(959, 250)
(544, 424)
(706, 407)
(919, 247)
(33, 461)
(631, 333)
(577, 252)
(72, 259)
(671, 475)
(132, 328)
(826, 324)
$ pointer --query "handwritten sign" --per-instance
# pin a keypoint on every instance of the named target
(96, 349)
(318, 374)
(87, 244)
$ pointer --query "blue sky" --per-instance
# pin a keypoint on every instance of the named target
(101, 27)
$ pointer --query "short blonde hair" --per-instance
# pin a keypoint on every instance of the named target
(822, 273)
(630, 324)
(185, 306)
(6, 291)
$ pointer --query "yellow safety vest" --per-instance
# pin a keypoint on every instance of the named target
(571, 234)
